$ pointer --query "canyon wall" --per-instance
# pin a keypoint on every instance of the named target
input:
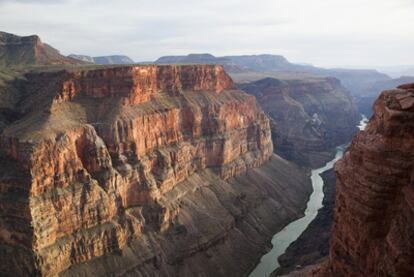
(135, 170)
(309, 117)
(373, 234)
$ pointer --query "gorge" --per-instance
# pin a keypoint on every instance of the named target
(309, 117)
(291, 232)
(156, 170)
(312, 245)
(171, 168)
(372, 233)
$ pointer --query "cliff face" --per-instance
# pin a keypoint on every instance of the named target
(373, 234)
(141, 84)
(308, 117)
(109, 164)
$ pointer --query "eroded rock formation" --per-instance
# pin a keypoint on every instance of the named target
(367, 96)
(309, 117)
(373, 234)
(134, 170)
(140, 84)
(29, 50)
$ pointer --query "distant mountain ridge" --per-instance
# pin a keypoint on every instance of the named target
(29, 50)
(368, 96)
(274, 63)
(228, 64)
(112, 59)
(398, 71)
(267, 62)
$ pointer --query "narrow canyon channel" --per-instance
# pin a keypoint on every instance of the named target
(292, 231)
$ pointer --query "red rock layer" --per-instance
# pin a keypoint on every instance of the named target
(373, 232)
(140, 83)
(16, 50)
(95, 155)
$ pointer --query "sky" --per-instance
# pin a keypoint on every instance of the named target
(329, 33)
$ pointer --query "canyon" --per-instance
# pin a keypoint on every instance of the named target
(363, 85)
(312, 246)
(372, 234)
(309, 117)
(148, 170)
(255, 67)
(292, 234)
(174, 169)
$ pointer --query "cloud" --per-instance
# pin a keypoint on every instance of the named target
(35, 2)
(335, 32)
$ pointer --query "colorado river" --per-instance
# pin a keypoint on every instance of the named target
(293, 230)
(363, 122)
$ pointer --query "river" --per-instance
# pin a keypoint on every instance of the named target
(363, 123)
(293, 230)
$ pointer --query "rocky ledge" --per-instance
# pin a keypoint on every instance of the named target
(134, 171)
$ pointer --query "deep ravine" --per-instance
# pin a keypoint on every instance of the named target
(282, 240)
(291, 232)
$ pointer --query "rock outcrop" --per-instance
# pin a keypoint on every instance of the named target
(366, 97)
(135, 171)
(144, 83)
(373, 234)
(29, 50)
(309, 117)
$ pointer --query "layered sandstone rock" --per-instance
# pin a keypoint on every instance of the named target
(133, 168)
(139, 84)
(308, 116)
(373, 234)
(221, 228)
